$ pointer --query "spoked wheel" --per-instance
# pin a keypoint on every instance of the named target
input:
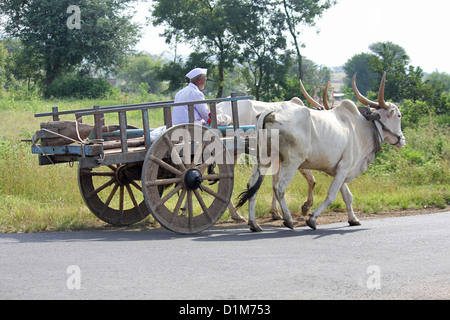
(188, 179)
(114, 193)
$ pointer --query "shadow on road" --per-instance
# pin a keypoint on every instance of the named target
(272, 233)
(214, 234)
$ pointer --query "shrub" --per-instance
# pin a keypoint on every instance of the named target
(76, 86)
(413, 112)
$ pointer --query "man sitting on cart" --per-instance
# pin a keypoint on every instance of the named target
(190, 93)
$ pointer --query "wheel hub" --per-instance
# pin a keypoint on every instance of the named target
(193, 179)
(126, 174)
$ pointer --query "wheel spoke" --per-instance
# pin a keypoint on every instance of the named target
(131, 194)
(210, 161)
(179, 202)
(217, 176)
(165, 165)
(102, 187)
(190, 210)
(213, 193)
(197, 155)
(121, 199)
(177, 156)
(202, 204)
(169, 195)
(163, 182)
(108, 201)
(134, 184)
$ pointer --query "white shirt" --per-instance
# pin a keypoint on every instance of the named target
(180, 113)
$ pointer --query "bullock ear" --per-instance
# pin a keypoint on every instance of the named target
(369, 114)
(373, 116)
(390, 113)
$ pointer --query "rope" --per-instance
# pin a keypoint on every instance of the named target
(79, 141)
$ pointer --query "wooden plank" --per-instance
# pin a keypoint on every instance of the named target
(123, 130)
(98, 123)
(146, 125)
(191, 113)
(73, 149)
(55, 114)
(234, 110)
(168, 117)
(213, 111)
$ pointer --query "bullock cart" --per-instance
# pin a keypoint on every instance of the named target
(183, 175)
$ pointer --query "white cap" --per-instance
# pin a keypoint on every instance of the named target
(196, 72)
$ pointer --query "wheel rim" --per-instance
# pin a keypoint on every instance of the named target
(170, 187)
(114, 193)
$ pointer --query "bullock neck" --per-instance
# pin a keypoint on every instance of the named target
(374, 118)
(378, 137)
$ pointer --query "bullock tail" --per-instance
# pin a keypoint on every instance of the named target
(256, 175)
(251, 191)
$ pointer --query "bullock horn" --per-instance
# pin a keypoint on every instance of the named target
(361, 98)
(325, 96)
(315, 104)
(381, 100)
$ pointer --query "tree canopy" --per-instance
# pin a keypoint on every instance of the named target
(62, 34)
(250, 32)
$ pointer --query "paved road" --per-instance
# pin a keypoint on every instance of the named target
(392, 258)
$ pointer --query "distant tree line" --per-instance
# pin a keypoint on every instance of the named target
(404, 82)
(67, 48)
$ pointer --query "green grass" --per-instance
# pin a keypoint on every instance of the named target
(37, 198)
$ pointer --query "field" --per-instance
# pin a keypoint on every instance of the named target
(37, 198)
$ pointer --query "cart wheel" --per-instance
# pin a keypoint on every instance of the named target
(114, 193)
(188, 179)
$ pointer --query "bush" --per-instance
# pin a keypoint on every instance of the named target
(75, 86)
(413, 112)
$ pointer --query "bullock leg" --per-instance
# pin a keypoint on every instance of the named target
(311, 183)
(287, 173)
(234, 213)
(252, 201)
(348, 199)
(335, 186)
(274, 209)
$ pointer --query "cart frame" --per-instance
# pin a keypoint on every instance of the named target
(129, 162)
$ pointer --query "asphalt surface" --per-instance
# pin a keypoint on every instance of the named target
(391, 258)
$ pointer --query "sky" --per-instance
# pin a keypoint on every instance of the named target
(421, 27)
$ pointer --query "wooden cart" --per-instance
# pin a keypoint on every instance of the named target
(184, 178)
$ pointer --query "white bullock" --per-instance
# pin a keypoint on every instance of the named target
(248, 110)
(340, 142)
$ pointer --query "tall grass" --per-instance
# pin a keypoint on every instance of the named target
(37, 198)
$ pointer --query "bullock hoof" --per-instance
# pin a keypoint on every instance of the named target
(237, 217)
(276, 215)
(305, 209)
(354, 223)
(288, 224)
(311, 223)
(254, 227)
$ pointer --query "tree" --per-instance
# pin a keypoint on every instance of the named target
(360, 63)
(439, 79)
(21, 66)
(141, 68)
(301, 13)
(390, 58)
(101, 34)
(174, 72)
(3, 57)
(204, 24)
(259, 32)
